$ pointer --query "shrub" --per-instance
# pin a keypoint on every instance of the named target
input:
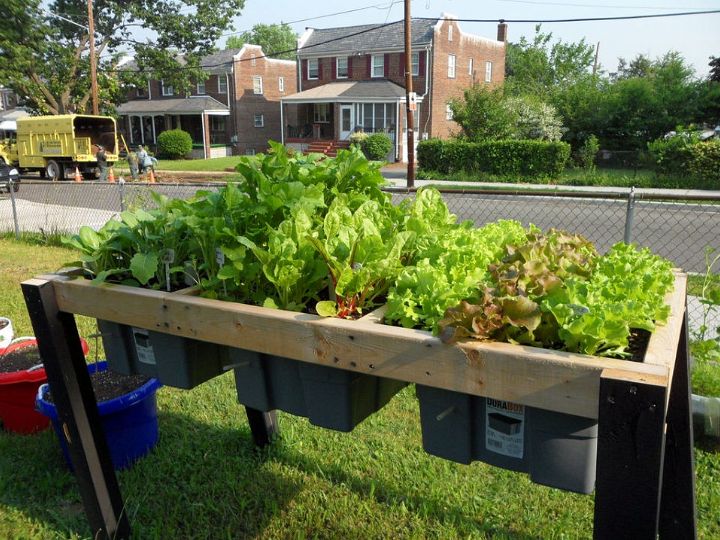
(587, 152)
(358, 138)
(671, 155)
(174, 143)
(377, 146)
(704, 161)
(531, 159)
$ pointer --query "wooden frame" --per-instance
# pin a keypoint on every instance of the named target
(610, 390)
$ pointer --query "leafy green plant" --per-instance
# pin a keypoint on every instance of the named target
(587, 152)
(376, 146)
(174, 143)
(705, 344)
(555, 292)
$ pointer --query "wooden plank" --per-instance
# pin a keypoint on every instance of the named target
(541, 378)
(663, 345)
(59, 345)
(630, 456)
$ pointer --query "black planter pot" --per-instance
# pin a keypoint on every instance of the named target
(557, 450)
(175, 361)
(329, 397)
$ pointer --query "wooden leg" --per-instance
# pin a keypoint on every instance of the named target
(677, 510)
(263, 426)
(630, 456)
(59, 345)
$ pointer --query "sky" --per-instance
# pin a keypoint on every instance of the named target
(696, 37)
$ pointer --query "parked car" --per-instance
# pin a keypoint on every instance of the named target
(8, 173)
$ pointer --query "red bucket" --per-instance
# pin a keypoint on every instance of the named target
(17, 394)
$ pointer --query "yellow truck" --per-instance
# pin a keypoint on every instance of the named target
(56, 145)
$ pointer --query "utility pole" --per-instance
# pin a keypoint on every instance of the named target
(597, 52)
(409, 99)
(93, 70)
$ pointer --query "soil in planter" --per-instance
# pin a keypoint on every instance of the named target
(638, 344)
(109, 384)
(20, 359)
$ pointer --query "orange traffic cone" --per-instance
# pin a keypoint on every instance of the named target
(151, 176)
(111, 176)
(78, 176)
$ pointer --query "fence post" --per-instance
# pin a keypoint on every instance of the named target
(121, 188)
(14, 209)
(629, 215)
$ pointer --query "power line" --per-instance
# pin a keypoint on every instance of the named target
(583, 19)
(372, 29)
(568, 4)
(375, 6)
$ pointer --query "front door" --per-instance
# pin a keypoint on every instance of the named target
(347, 121)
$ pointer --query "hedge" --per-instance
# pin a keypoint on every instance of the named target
(525, 158)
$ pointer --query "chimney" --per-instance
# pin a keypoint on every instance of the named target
(502, 31)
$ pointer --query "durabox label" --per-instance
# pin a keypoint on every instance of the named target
(143, 347)
(504, 427)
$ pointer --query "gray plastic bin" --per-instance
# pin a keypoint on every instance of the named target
(329, 397)
(175, 361)
(556, 449)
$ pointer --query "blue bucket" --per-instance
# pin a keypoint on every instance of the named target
(130, 421)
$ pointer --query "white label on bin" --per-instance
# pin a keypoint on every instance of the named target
(143, 347)
(504, 427)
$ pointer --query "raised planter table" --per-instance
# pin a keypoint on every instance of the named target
(645, 471)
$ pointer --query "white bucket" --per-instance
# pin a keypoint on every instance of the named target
(6, 332)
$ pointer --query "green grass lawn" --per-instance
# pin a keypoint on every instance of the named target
(205, 479)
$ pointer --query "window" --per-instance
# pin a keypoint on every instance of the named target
(471, 66)
(253, 61)
(140, 91)
(217, 123)
(378, 65)
(222, 85)
(450, 29)
(313, 69)
(259, 120)
(448, 112)
(201, 87)
(451, 66)
(281, 84)
(488, 71)
(321, 113)
(342, 67)
(415, 59)
(249, 151)
(257, 84)
(165, 90)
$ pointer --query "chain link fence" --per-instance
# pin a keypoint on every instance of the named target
(679, 227)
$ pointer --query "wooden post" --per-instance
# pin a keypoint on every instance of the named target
(678, 518)
(263, 426)
(631, 442)
(60, 349)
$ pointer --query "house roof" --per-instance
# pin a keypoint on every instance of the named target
(350, 91)
(216, 61)
(191, 105)
(13, 114)
(365, 38)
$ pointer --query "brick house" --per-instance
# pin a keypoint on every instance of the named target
(234, 111)
(353, 78)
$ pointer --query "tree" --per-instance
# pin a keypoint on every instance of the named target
(714, 64)
(276, 40)
(488, 114)
(45, 58)
(540, 67)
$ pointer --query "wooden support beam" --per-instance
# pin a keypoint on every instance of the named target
(678, 518)
(263, 426)
(60, 349)
(631, 440)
